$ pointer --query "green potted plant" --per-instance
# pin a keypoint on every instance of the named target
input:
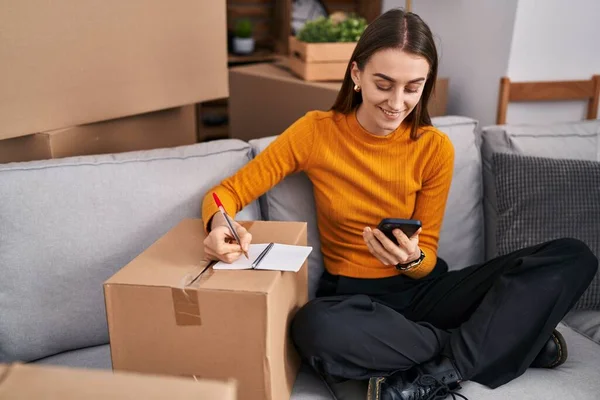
(338, 27)
(243, 42)
(322, 48)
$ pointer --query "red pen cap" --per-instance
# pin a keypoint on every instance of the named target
(217, 200)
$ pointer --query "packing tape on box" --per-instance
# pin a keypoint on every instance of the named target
(185, 297)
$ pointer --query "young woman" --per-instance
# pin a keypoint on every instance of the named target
(391, 313)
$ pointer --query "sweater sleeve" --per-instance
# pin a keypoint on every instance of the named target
(287, 154)
(431, 204)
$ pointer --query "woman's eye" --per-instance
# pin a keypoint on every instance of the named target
(384, 88)
(411, 90)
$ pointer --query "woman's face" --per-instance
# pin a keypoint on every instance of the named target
(391, 85)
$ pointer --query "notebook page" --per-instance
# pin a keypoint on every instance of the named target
(285, 257)
(281, 257)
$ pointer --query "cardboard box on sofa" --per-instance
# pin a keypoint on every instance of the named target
(26, 381)
(166, 128)
(267, 98)
(75, 62)
(170, 314)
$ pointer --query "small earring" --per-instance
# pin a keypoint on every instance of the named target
(356, 88)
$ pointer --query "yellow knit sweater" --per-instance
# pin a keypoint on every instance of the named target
(358, 178)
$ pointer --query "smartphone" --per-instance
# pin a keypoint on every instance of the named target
(408, 226)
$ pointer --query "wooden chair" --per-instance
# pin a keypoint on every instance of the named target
(549, 91)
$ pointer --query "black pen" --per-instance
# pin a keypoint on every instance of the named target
(261, 256)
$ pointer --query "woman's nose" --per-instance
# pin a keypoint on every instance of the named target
(396, 100)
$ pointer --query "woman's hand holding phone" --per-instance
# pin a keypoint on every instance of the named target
(386, 251)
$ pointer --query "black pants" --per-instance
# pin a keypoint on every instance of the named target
(492, 319)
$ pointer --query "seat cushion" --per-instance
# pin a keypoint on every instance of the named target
(97, 357)
(461, 241)
(576, 379)
(577, 140)
(586, 322)
(67, 225)
(308, 386)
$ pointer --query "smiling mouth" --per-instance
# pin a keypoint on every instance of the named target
(390, 113)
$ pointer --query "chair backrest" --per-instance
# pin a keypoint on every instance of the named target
(549, 91)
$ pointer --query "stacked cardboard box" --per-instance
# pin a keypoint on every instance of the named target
(166, 128)
(319, 61)
(19, 381)
(72, 63)
(284, 98)
(169, 313)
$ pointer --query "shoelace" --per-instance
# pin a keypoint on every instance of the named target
(442, 390)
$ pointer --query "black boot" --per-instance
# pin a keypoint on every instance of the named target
(553, 354)
(435, 379)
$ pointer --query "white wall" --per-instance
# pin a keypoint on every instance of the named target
(388, 4)
(473, 39)
(554, 40)
(483, 40)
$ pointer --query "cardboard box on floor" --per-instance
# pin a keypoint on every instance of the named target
(267, 98)
(170, 314)
(166, 128)
(20, 381)
(75, 62)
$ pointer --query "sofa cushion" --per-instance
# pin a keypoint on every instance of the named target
(575, 140)
(586, 322)
(461, 241)
(310, 386)
(541, 199)
(67, 225)
(96, 357)
(576, 379)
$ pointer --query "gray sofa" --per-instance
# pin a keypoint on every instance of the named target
(67, 225)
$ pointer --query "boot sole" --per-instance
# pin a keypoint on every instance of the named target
(562, 349)
(374, 389)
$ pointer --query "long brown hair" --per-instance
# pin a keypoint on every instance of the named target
(394, 29)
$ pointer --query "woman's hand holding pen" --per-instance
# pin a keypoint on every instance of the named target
(220, 244)
(387, 251)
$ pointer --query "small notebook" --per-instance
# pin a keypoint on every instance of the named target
(277, 257)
